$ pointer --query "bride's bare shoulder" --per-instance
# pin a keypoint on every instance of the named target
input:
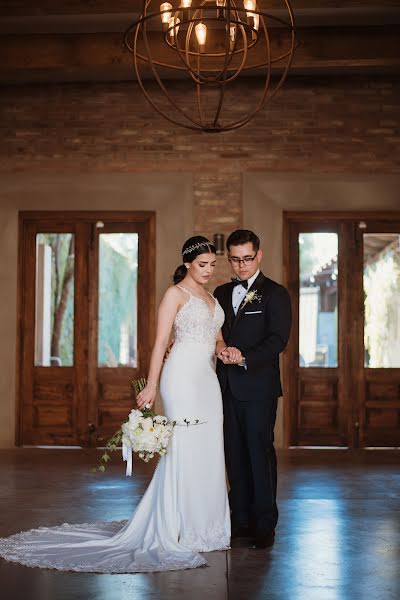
(174, 293)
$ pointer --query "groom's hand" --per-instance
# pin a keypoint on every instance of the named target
(231, 356)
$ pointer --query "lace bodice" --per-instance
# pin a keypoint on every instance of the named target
(196, 323)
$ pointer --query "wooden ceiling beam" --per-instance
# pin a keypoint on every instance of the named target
(20, 8)
(103, 55)
(119, 22)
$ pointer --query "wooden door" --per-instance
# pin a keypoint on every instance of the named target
(343, 274)
(85, 326)
(376, 325)
(111, 394)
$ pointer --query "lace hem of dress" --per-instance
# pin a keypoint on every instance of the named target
(217, 538)
(168, 565)
(16, 548)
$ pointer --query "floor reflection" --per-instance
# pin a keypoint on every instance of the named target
(317, 527)
(338, 536)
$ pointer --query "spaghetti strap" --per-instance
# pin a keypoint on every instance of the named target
(184, 289)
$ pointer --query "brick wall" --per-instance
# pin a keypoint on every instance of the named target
(335, 126)
(328, 125)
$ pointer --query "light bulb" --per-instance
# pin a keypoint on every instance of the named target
(165, 17)
(201, 34)
(249, 5)
(256, 24)
(174, 23)
(232, 34)
(220, 8)
(185, 6)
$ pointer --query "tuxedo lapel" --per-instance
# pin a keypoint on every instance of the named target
(257, 283)
(229, 314)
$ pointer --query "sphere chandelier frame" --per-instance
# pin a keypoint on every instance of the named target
(185, 31)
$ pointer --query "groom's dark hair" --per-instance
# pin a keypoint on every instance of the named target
(242, 236)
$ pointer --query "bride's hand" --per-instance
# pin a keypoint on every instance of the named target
(233, 356)
(146, 396)
(222, 354)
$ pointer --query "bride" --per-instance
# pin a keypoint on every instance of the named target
(185, 509)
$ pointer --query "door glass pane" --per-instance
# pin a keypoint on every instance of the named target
(382, 300)
(54, 318)
(318, 299)
(118, 267)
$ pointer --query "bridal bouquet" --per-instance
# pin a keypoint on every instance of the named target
(144, 432)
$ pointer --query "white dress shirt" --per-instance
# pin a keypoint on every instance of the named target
(239, 292)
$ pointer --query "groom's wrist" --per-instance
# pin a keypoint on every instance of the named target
(243, 362)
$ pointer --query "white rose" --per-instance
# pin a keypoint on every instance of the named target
(135, 418)
(127, 430)
(149, 441)
(148, 425)
(163, 435)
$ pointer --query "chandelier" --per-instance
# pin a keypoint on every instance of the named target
(211, 43)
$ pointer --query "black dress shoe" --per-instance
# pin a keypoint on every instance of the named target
(263, 541)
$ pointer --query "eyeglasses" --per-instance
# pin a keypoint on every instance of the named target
(247, 260)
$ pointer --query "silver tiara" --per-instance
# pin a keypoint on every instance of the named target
(196, 247)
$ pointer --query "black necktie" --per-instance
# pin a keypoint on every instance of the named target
(244, 283)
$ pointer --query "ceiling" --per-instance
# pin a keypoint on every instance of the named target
(72, 40)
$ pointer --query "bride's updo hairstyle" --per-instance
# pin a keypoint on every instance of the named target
(193, 247)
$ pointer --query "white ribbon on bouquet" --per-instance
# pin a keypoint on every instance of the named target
(127, 456)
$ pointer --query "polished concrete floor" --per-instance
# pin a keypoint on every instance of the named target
(338, 536)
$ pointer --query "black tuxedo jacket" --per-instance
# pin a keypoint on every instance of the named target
(260, 330)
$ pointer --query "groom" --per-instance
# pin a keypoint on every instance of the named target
(257, 322)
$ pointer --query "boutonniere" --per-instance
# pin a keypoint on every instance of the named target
(250, 297)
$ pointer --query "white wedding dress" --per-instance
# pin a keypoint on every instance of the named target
(185, 509)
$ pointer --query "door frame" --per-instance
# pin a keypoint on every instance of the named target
(355, 325)
(79, 219)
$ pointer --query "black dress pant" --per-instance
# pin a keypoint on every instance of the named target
(251, 461)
